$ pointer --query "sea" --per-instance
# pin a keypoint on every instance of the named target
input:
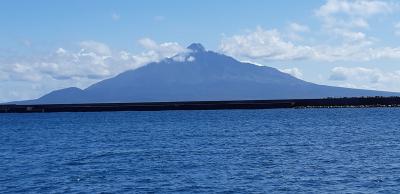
(348, 150)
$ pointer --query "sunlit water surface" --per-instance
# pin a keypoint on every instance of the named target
(240, 151)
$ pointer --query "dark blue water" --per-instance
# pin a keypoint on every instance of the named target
(239, 151)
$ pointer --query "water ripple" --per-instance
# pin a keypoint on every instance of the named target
(238, 151)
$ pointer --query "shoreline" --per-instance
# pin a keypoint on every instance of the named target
(356, 102)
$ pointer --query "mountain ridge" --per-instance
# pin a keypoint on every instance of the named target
(199, 75)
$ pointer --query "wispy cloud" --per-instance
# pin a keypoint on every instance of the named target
(367, 78)
(343, 23)
(90, 62)
(115, 16)
(346, 18)
(265, 45)
(296, 27)
(95, 47)
(296, 72)
(357, 8)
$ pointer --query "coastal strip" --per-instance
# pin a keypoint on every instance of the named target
(357, 102)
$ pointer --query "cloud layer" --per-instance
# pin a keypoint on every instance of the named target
(268, 45)
(342, 25)
(90, 62)
(367, 78)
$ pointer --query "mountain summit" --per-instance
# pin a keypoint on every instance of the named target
(199, 75)
(196, 47)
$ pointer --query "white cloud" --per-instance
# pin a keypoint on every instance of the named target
(267, 45)
(183, 57)
(345, 18)
(351, 36)
(95, 47)
(358, 22)
(148, 43)
(179, 58)
(19, 72)
(366, 78)
(61, 51)
(90, 62)
(298, 27)
(293, 71)
(191, 59)
(360, 73)
(264, 44)
(167, 49)
(362, 8)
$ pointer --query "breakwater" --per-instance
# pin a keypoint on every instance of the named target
(206, 105)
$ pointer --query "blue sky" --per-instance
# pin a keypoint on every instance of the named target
(60, 23)
(47, 45)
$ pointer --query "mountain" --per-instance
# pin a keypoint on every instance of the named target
(199, 75)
